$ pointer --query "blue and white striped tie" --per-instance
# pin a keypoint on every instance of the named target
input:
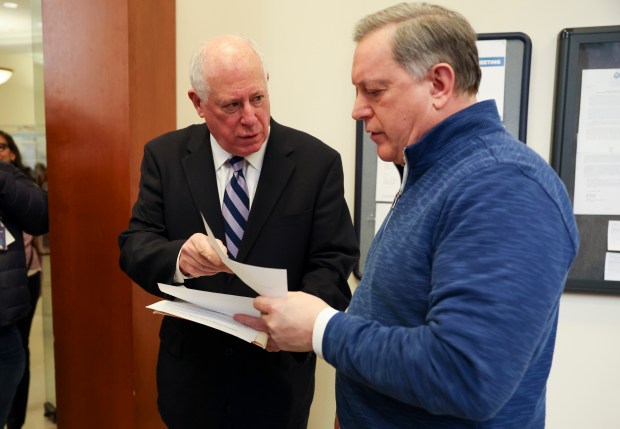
(236, 206)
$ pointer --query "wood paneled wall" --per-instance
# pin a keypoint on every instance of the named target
(109, 74)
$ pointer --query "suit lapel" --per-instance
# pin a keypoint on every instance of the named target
(274, 176)
(200, 175)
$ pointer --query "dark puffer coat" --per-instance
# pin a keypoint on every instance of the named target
(23, 207)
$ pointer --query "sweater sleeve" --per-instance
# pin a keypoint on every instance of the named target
(499, 257)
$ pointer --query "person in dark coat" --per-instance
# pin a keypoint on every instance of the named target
(23, 208)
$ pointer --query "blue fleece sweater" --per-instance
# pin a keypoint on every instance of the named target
(453, 324)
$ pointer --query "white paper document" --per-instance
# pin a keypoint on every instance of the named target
(215, 309)
(492, 57)
(265, 281)
(613, 236)
(612, 266)
(381, 210)
(388, 181)
(211, 309)
(597, 163)
(220, 302)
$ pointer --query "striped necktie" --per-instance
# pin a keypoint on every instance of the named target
(236, 206)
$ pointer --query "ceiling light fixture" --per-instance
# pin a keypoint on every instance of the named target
(10, 5)
(5, 74)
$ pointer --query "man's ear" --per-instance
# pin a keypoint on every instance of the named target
(443, 82)
(197, 102)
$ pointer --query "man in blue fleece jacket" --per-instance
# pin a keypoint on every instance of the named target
(453, 324)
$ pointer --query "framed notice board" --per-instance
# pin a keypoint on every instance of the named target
(505, 64)
(586, 150)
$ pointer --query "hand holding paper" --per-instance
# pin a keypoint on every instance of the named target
(204, 255)
(265, 281)
(290, 320)
(199, 257)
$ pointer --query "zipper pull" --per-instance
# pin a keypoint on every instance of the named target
(396, 197)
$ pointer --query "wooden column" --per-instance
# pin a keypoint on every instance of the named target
(109, 78)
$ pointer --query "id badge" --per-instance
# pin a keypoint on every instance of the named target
(5, 237)
(3, 244)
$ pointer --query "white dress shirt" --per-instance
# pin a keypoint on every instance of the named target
(223, 172)
(319, 329)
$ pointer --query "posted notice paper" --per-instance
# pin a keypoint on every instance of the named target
(597, 164)
(612, 266)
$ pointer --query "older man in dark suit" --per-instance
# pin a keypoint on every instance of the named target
(291, 184)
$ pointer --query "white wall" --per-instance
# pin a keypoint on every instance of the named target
(17, 102)
(308, 49)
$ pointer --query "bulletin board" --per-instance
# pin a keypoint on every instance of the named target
(586, 150)
(506, 57)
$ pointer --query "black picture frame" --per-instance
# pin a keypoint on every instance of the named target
(517, 82)
(582, 49)
(516, 95)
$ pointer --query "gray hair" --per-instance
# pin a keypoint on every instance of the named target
(426, 35)
(200, 63)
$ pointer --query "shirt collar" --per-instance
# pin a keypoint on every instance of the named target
(220, 156)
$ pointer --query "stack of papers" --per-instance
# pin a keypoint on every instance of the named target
(215, 309)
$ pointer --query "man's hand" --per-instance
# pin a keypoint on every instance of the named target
(259, 325)
(289, 321)
(198, 258)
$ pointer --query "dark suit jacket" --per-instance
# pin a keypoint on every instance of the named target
(299, 221)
